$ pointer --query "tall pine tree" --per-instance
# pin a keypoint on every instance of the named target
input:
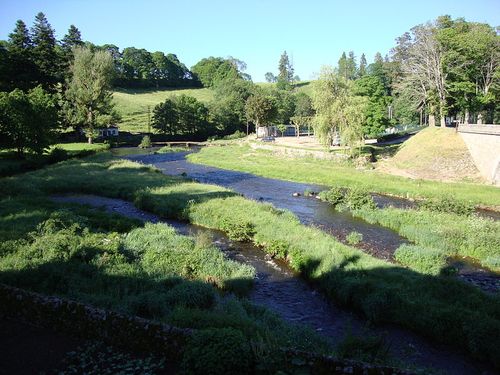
(44, 51)
(285, 75)
(20, 70)
(362, 66)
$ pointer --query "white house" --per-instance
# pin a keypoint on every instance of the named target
(110, 131)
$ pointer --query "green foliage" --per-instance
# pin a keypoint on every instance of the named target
(28, 120)
(452, 234)
(365, 347)
(145, 142)
(90, 105)
(218, 351)
(213, 70)
(260, 109)
(376, 119)
(422, 259)
(238, 230)
(192, 295)
(181, 115)
(354, 238)
(350, 198)
(448, 204)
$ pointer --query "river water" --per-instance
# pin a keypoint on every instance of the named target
(279, 289)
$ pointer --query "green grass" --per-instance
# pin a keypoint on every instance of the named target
(79, 147)
(441, 307)
(132, 104)
(325, 172)
(446, 233)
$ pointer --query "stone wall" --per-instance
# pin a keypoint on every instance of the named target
(483, 142)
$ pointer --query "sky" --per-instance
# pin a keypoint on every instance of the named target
(313, 32)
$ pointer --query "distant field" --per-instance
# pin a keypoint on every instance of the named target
(132, 104)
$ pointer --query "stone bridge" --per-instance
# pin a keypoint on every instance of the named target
(483, 142)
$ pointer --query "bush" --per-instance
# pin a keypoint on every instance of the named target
(146, 142)
(193, 294)
(357, 198)
(334, 196)
(218, 351)
(238, 230)
(422, 259)
(367, 347)
(57, 154)
(448, 205)
(353, 238)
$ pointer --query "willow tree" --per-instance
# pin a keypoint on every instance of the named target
(89, 97)
(338, 111)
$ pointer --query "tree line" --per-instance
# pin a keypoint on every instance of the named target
(442, 71)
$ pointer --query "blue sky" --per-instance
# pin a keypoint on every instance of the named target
(314, 32)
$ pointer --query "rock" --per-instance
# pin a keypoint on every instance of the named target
(296, 194)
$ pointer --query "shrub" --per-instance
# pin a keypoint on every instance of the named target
(218, 351)
(57, 154)
(334, 196)
(193, 294)
(353, 238)
(366, 347)
(145, 142)
(278, 249)
(422, 259)
(238, 230)
(448, 204)
(357, 198)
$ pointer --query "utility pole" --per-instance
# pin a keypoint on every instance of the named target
(149, 119)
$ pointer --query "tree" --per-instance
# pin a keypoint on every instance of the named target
(89, 99)
(351, 66)
(362, 66)
(72, 39)
(342, 66)
(27, 120)
(228, 107)
(285, 69)
(376, 118)
(303, 113)
(260, 110)
(270, 77)
(181, 115)
(338, 110)
(215, 69)
(44, 51)
(20, 71)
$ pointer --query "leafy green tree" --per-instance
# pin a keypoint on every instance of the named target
(375, 114)
(260, 109)
(72, 39)
(212, 70)
(181, 115)
(338, 110)
(303, 113)
(228, 107)
(137, 64)
(351, 66)
(165, 119)
(28, 121)
(89, 97)
(342, 66)
(284, 103)
(286, 71)
(44, 51)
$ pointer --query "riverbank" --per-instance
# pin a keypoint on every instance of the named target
(324, 172)
(382, 292)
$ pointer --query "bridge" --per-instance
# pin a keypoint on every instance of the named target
(483, 142)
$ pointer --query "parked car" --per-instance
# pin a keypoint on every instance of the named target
(268, 139)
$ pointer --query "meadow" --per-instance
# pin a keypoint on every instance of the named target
(438, 307)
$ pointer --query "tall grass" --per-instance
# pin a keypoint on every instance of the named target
(448, 233)
(442, 308)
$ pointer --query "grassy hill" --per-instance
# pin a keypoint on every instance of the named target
(435, 154)
(132, 104)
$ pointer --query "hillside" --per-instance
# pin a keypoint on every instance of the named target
(435, 154)
(132, 104)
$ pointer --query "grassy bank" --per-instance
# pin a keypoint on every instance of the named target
(442, 234)
(324, 172)
(441, 308)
